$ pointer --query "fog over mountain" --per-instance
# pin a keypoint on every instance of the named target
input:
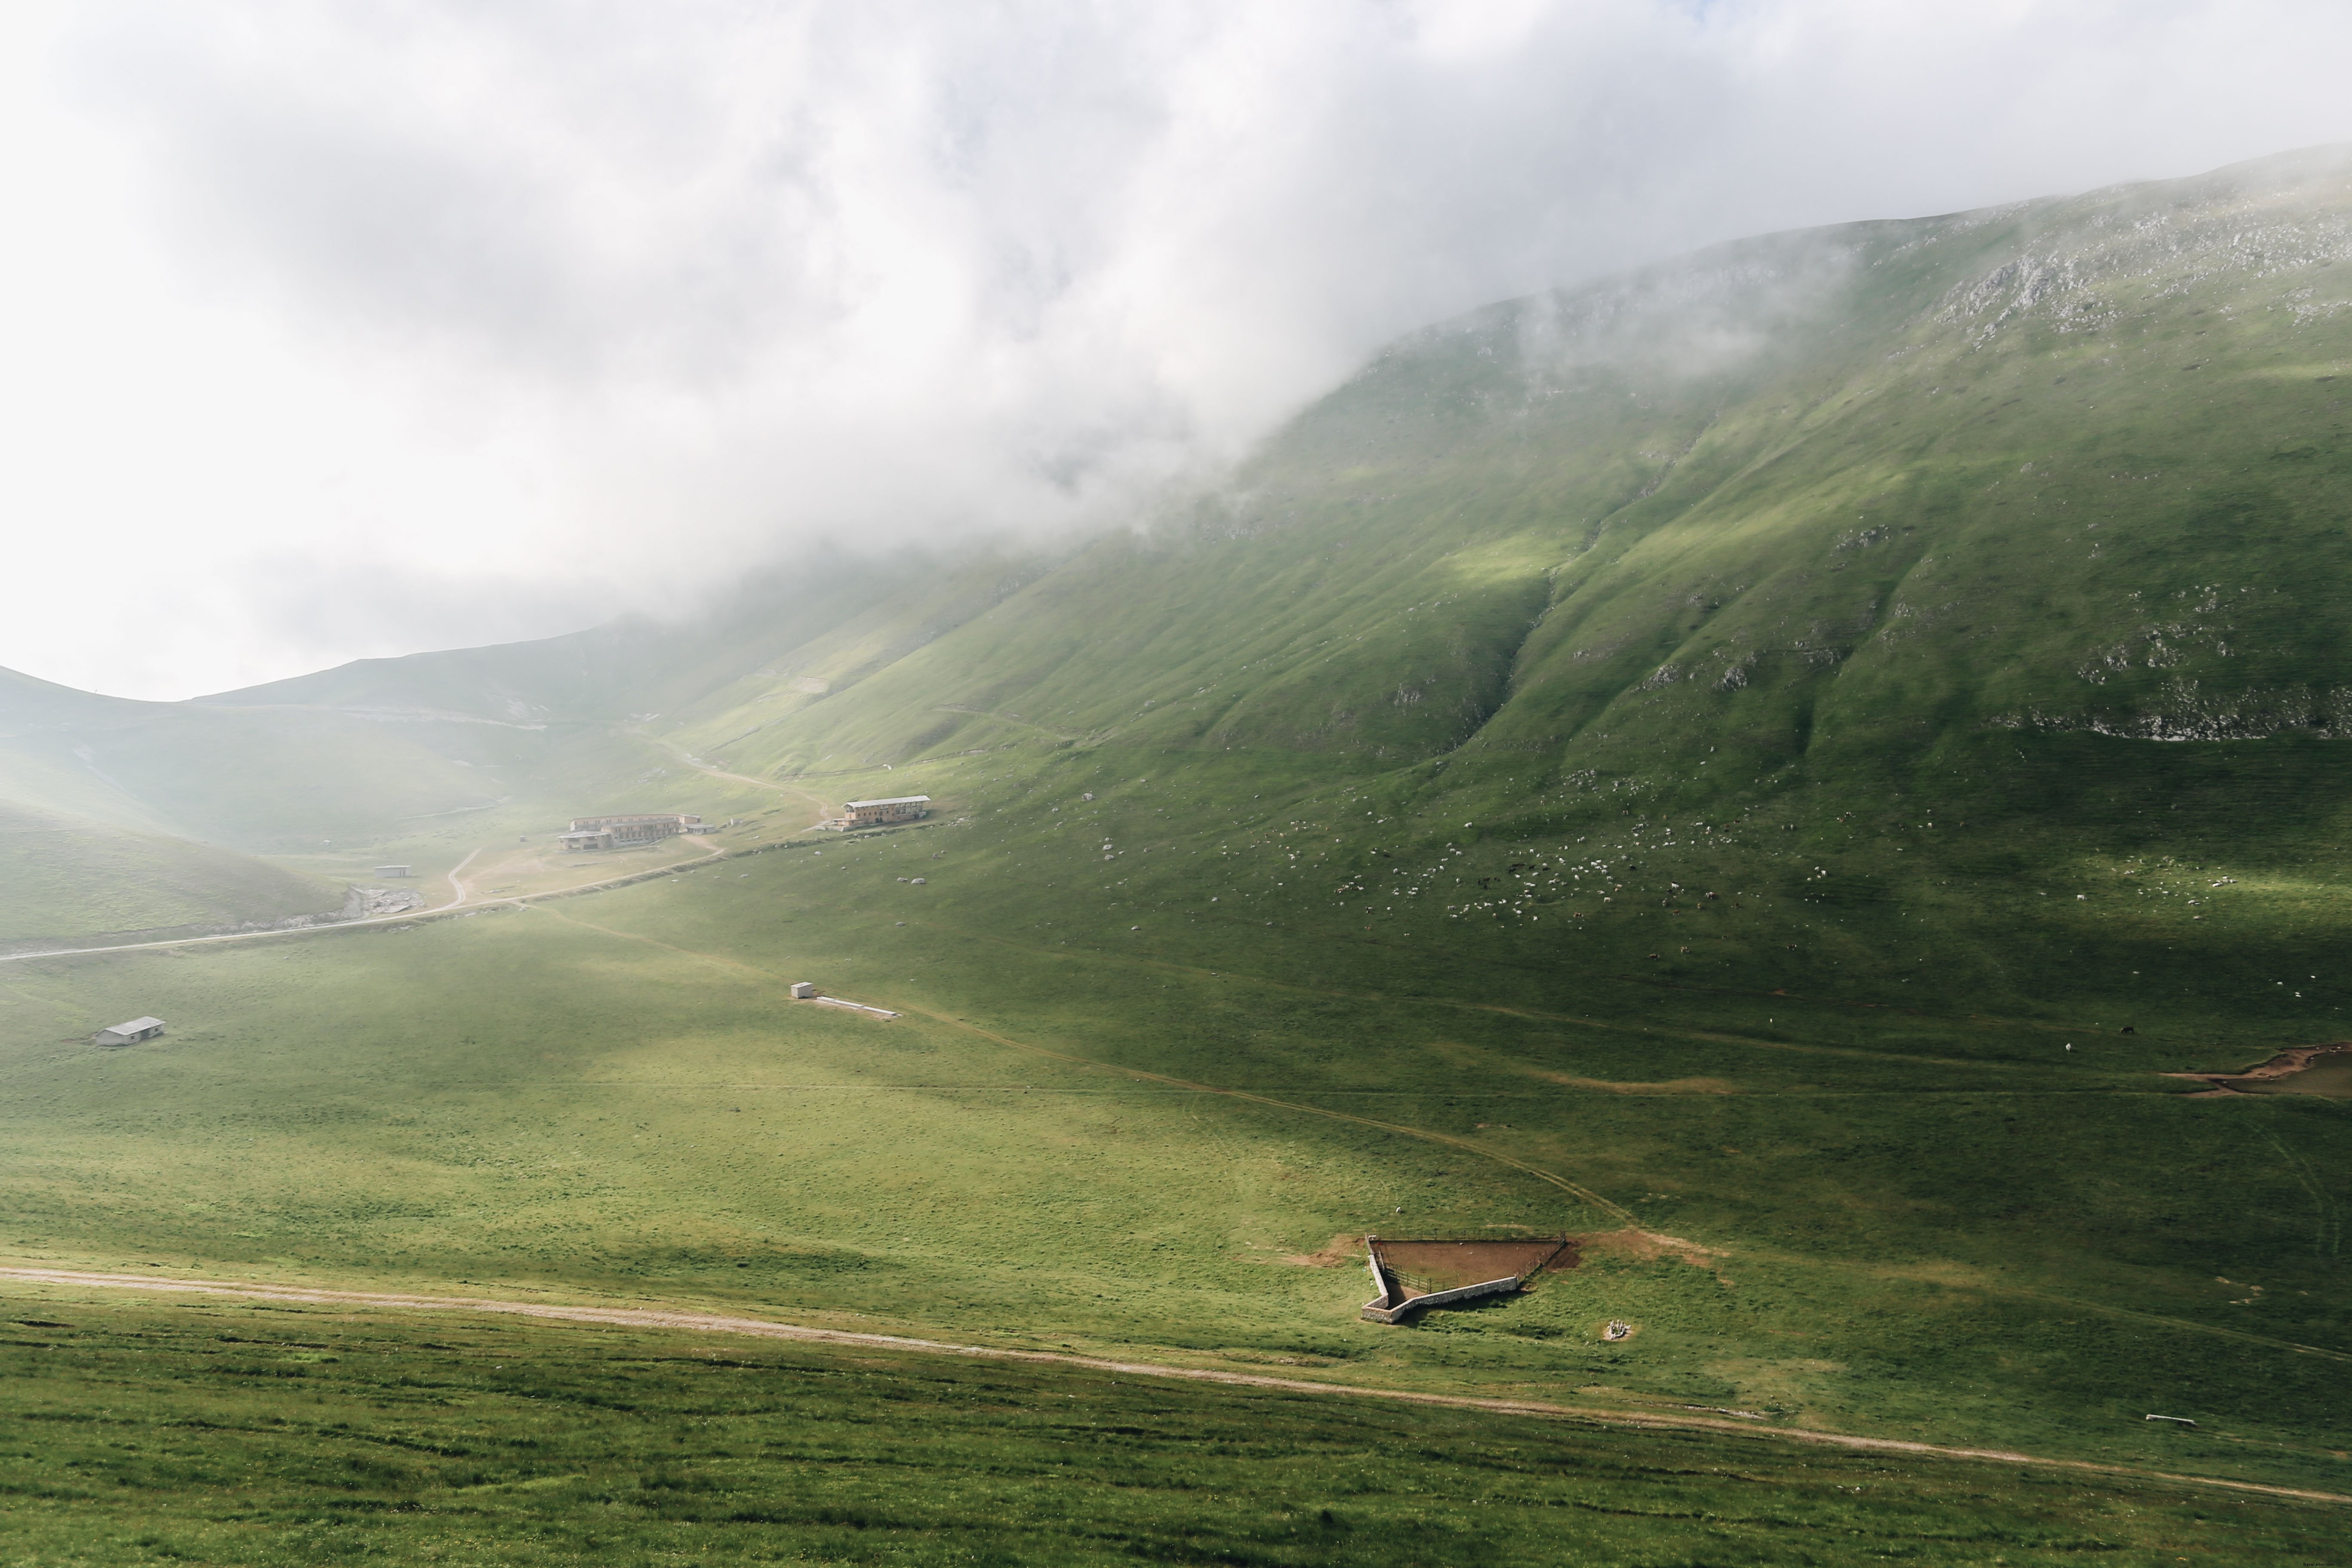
(351, 330)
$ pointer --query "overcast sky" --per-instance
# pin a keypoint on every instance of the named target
(334, 330)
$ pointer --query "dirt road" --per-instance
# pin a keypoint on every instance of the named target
(460, 899)
(762, 1328)
(699, 766)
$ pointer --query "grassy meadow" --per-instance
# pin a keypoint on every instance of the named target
(1883, 1219)
(67, 877)
(215, 1433)
(1777, 814)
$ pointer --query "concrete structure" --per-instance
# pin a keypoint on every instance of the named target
(875, 813)
(1396, 1302)
(394, 871)
(124, 1034)
(854, 1006)
(1398, 1299)
(634, 827)
(802, 991)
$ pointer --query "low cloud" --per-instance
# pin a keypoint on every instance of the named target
(495, 319)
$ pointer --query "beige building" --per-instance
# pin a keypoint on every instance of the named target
(634, 827)
(874, 813)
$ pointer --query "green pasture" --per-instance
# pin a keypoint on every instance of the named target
(214, 1432)
(1779, 814)
(69, 878)
(1908, 1221)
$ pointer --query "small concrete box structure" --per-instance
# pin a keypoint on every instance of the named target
(126, 1034)
(873, 812)
(394, 871)
(803, 990)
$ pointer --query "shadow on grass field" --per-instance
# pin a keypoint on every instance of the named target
(1746, 813)
(1927, 1227)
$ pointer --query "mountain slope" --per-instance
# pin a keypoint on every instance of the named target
(2076, 467)
(637, 666)
(2034, 516)
(1763, 765)
(1944, 585)
(68, 878)
(147, 812)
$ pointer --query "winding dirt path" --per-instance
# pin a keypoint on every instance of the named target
(458, 888)
(459, 900)
(1583, 1195)
(1469, 1146)
(699, 766)
(762, 1328)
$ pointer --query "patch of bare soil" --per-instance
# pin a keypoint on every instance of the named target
(1341, 1249)
(1647, 1246)
(1426, 1267)
(2264, 1077)
(1670, 1085)
(769, 1328)
(1492, 1060)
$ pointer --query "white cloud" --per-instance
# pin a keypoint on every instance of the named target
(341, 329)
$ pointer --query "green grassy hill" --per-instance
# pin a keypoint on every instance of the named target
(421, 758)
(68, 878)
(1996, 557)
(2071, 468)
(1765, 765)
(843, 614)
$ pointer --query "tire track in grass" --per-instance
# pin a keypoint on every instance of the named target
(1585, 1195)
(1467, 1146)
(1750, 1042)
(1788, 1259)
(699, 766)
(1582, 1194)
(1882, 1272)
(763, 1328)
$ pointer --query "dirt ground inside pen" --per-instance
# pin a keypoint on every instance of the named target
(1429, 1265)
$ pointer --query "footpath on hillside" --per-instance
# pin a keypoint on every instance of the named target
(762, 1328)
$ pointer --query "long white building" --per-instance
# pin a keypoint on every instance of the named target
(632, 828)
